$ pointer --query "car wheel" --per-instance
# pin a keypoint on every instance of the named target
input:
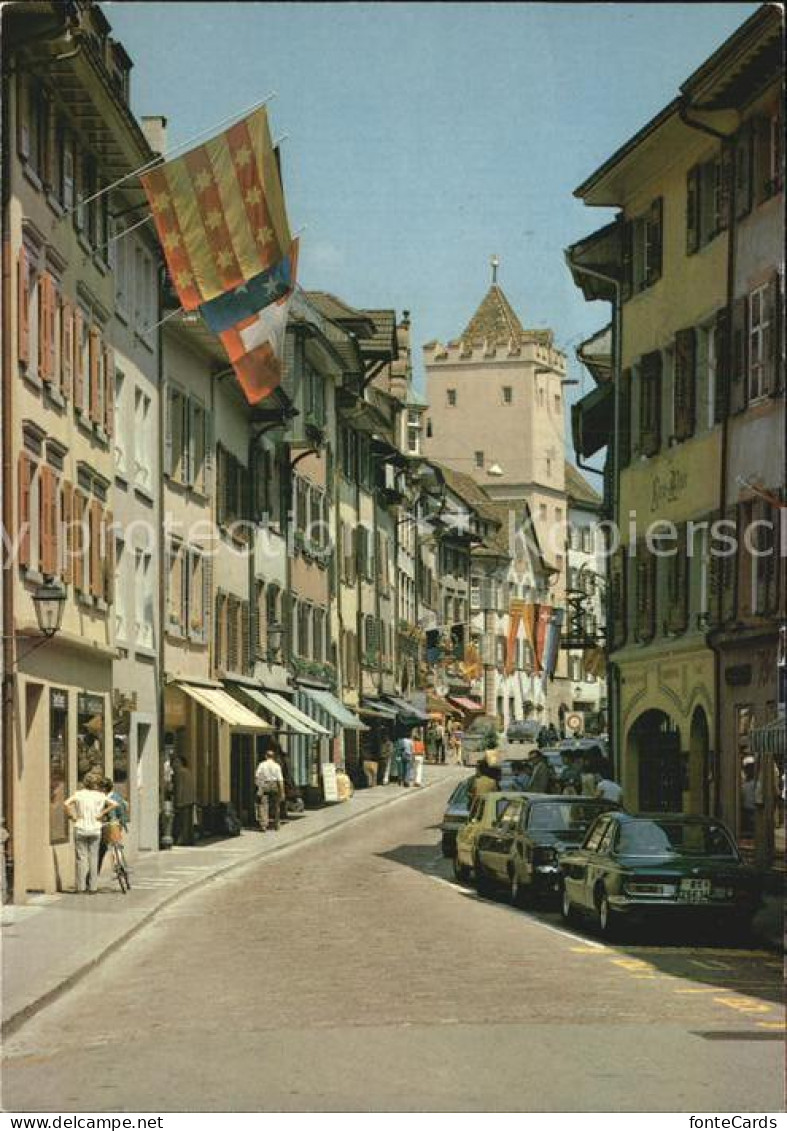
(567, 907)
(483, 884)
(448, 846)
(461, 871)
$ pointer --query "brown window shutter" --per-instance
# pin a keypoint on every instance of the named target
(109, 390)
(23, 306)
(44, 369)
(94, 348)
(739, 373)
(624, 408)
(721, 350)
(79, 377)
(66, 347)
(685, 383)
(49, 343)
(68, 533)
(245, 651)
(96, 575)
(48, 533)
(693, 210)
(677, 588)
(26, 469)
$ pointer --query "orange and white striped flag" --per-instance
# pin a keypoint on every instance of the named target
(219, 211)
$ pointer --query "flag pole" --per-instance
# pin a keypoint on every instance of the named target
(158, 159)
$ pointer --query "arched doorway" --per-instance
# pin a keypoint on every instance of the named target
(699, 763)
(655, 740)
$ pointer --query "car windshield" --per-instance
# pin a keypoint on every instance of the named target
(461, 793)
(675, 838)
(562, 816)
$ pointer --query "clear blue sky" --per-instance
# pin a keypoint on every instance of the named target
(423, 137)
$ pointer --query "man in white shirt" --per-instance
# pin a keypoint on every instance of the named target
(87, 809)
(270, 789)
(609, 790)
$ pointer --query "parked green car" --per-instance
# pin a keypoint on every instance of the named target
(658, 865)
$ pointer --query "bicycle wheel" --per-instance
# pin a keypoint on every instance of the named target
(121, 872)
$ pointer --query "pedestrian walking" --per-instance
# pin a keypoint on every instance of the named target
(748, 800)
(183, 798)
(419, 752)
(370, 769)
(405, 760)
(609, 790)
(589, 779)
(540, 778)
(386, 759)
(431, 743)
(270, 790)
(87, 809)
(439, 732)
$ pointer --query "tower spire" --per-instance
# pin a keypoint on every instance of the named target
(495, 264)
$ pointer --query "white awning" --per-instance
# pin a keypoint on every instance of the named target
(227, 709)
(312, 697)
(293, 719)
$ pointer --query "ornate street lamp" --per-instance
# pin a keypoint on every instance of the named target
(49, 602)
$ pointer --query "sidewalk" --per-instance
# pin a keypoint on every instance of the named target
(51, 942)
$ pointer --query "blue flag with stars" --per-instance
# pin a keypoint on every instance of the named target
(232, 307)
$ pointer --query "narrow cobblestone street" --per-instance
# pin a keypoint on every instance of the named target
(353, 974)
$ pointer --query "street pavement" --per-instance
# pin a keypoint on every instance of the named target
(351, 973)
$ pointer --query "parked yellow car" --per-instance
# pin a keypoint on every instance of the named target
(484, 811)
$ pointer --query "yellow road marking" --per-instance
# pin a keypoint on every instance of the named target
(587, 950)
(744, 1005)
(697, 990)
(771, 1025)
(630, 963)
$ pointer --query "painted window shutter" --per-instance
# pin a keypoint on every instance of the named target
(209, 464)
(96, 573)
(109, 390)
(744, 149)
(51, 325)
(650, 403)
(68, 533)
(693, 210)
(23, 306)
(678, 587)
(739, 374)
(245, 650)
(727, 175)
(79, 376)
(773, 332)
(44, 346)
(685, 383)
(721, 349)
(654, 235)
(167, 395)
(66, 348)
(108, 536)
(78, 517)
(48, 532)
(26, 469)
(94, 350)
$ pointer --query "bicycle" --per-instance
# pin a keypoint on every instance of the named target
(119, 866)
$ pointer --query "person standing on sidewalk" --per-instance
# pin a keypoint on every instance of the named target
(87, 809)
(405, 760)
(386, 758)
(270, 789)
(419, 752)
(183, 797)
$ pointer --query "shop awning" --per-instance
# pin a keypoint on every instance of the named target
(437, 705)
(379, 709)
(333, 707)
(228, 710)
(592, 421)
(294, 720)
(408, 710)
(467, 704)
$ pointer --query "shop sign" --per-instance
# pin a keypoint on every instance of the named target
(677, 485)
(59, 700)
(739, 675)
(91, 705)
(330, 789)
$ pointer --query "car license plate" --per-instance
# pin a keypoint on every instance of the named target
(694, 891)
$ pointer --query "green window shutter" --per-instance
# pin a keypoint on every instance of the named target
(773, 370)
(650, 402)
(654, 240)
(727, 176)
(627, 283)
(685, 383)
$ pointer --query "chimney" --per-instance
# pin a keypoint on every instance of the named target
(154, 127)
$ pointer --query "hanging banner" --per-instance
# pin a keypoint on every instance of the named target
(472, 667)
(542, 626)
(594, 662)
(530, 620)
(516, 611)
(219, 211)
(552, 646)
